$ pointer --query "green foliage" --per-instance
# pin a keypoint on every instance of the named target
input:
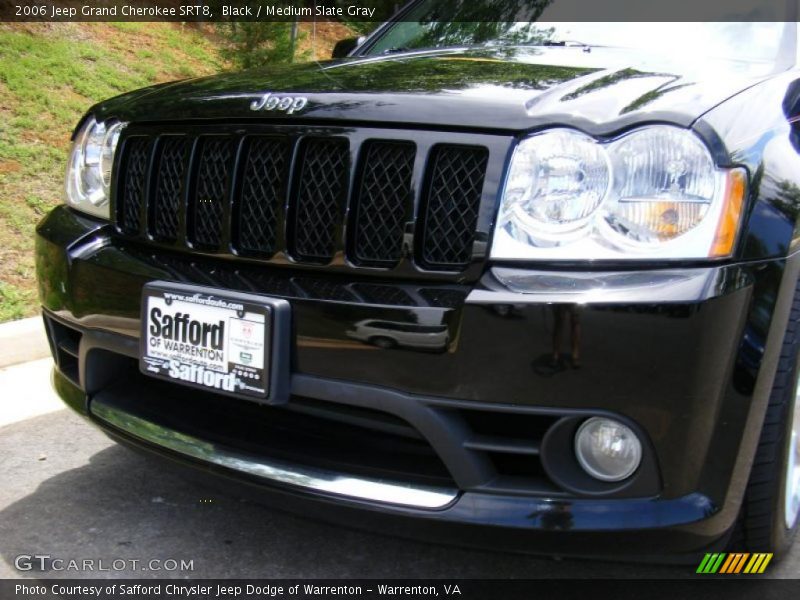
(362, 27)
(14, 302)
(255, 44)
(383, 11)
(49, 77)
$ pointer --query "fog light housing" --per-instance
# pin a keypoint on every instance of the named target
(607, 449)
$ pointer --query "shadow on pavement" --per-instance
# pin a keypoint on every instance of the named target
(114, 504)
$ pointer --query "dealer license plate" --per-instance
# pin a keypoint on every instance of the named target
(209, 339)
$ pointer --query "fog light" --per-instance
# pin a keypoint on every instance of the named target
(607, 449)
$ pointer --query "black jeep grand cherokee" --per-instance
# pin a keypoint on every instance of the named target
(538, 281)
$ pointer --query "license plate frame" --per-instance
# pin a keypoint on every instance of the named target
(230, 326)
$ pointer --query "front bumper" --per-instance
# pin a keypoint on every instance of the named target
(662, 351)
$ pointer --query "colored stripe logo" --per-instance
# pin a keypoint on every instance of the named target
(734, 563)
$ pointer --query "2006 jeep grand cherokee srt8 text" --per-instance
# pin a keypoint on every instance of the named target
(509, 286)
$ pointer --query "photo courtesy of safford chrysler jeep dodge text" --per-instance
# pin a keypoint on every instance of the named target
(531, 284)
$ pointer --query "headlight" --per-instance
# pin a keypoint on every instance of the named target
(89, 167)
(556, 184)
(654, 192)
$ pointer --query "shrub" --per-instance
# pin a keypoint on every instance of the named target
(256, 44)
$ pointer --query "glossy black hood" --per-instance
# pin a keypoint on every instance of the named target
(508, 89)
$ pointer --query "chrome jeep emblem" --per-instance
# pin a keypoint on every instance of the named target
(287, 104)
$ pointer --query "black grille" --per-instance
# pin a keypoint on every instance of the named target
(445, 298)
(383, 203)
(209, 198)
(263, 192)
(451, 207)
(321, 194)
(278, 195)
(389, 295)
(172, 161)
(133, 181)
(323, 289)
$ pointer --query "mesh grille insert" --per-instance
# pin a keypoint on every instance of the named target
(171, 173)
(388, 295)
(282, 195)
(208, 202)
(384, 199)
(445, 298)
(323, 289)
(320, 198)
(133, 183)
(262, 196)
(451, 207)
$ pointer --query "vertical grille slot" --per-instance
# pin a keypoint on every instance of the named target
(383, 203)
(319, 200)
(173, 157)
(132, 184)
(263, 193)
(211, 191)
(450, 213)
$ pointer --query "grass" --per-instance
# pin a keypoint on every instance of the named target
(49, 75)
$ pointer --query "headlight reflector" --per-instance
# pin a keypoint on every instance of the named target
(666, 184)
(654, 192)
(88, 179)
(557, 181)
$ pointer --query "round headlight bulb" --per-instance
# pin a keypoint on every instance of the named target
(557, 181)
(607, 449)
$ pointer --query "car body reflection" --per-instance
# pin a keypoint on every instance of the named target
(397, 334)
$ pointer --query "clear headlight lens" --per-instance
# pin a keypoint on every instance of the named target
(88, 178)
(652, 193)
(557, 181)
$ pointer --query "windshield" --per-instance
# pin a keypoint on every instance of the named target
(425, 27)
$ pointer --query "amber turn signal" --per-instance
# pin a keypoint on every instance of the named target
(728, 227)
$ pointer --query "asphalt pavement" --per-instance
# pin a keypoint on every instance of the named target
(69, 492)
